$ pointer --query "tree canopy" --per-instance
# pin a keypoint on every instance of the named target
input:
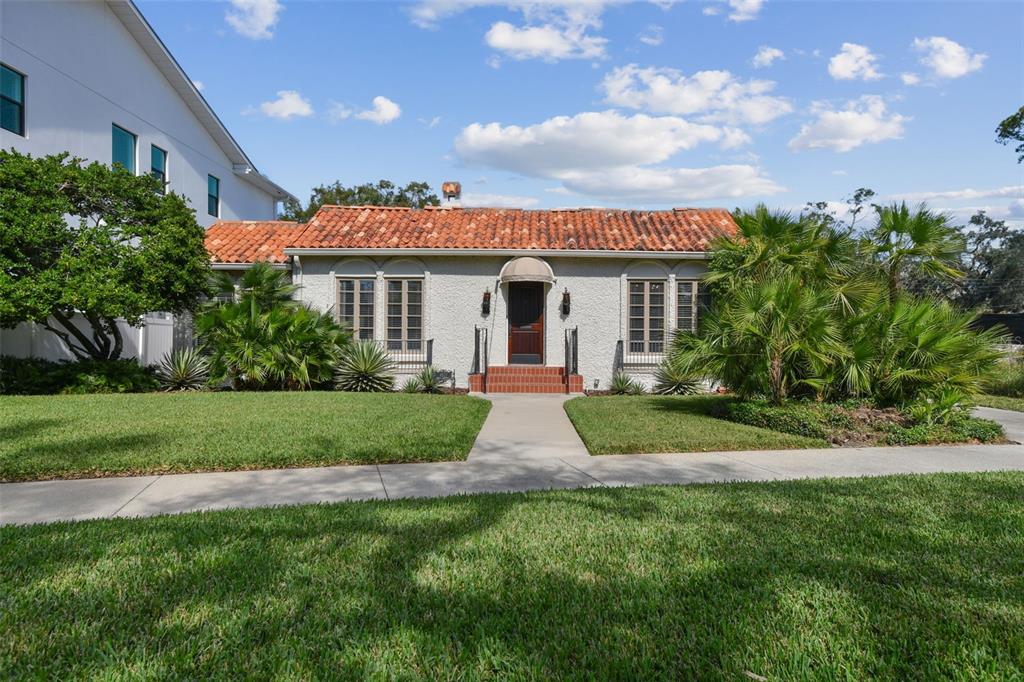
(1011, 129)
(93, 240)
(383, 193)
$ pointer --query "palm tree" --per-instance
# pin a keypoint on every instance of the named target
(264, 339)
(920, 238)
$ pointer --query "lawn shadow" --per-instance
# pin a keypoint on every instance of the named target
(809, 579)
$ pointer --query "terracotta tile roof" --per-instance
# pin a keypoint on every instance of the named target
(368, 227)
(250, 241)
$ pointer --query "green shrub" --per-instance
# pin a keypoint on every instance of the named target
(812, 420)
(1007, 379)
(672, 379)
(185, 369)
(623, 384)
(365, 368)
(958, 430)
(429, 381)
(34, 376)
(263, 340)
(411, 385)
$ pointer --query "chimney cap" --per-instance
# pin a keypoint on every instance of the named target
(451, 190)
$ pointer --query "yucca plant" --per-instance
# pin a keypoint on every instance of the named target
(365, 368)
(429, 381)
(623, 384)
(185, 369)
(672, 378)
(411, 385)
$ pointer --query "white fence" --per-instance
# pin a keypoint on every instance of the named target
(160, 334)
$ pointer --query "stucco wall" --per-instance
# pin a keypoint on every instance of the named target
(83, 73)
(454, 288)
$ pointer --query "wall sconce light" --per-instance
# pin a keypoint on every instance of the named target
(485, 306)
(565, 302)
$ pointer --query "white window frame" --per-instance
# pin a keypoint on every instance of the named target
(691, 324)
(648, 344)
(358, 331)
(405, 343)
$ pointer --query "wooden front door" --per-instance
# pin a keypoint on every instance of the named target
(525, 323)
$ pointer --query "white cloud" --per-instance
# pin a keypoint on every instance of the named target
(1016, 208)
(717, 95)
(473, 199)
(744, 10)
(338, 112)
(430, 122)
(839, 172)
(910, 78)
(854, 62)
(862, 121)
(587, 140)
(672, 185)
(199, 85)
(653, 35)
(254, 18)
(968, 193)
(766, 55)
(711, 11)
(947, 58)
(289, 104)
(606, 154)
(548, 42)
(383, 111)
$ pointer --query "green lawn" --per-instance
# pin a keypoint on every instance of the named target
(97, 435)
(628, 424)
(888, 578)
(1001, 402)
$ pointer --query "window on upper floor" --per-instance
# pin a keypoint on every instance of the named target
(122, 148)
(213, 196)
(356, 306)
(158, 166)
(12, 100)
(405, 315)
(647, 316)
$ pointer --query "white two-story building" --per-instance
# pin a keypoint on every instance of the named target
(92, 78)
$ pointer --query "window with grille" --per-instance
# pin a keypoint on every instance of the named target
(405, 314)
(686, 305)
(355, 306)
(647, 316)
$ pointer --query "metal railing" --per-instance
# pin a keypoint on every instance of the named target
(572, 339)
(480, 348)
(641, 353)
(408, 351)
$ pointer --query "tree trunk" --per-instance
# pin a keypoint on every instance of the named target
(894, 285)
(106, 342)
(778, 391)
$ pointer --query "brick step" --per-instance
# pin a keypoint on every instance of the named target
(536, 383)
(527, 371)
(525, 388)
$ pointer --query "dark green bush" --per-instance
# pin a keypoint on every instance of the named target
(958, 430)
(34, 376)
(813, 420)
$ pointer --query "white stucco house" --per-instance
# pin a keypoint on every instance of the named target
(90, 77)
(507, 300)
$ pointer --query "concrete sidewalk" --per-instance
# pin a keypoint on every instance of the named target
(505, 459)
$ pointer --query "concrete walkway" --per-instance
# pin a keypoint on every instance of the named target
(512, 453)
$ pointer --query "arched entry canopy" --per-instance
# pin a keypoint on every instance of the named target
(526, 269)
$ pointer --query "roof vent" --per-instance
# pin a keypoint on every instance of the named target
(451, 190)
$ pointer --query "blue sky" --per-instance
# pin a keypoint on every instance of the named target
(631, 104)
